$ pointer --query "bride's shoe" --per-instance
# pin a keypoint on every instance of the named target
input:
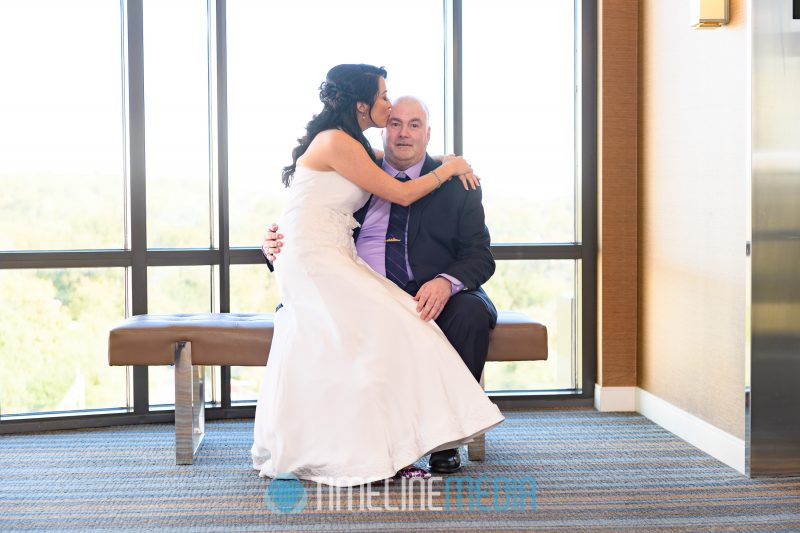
(412, 471)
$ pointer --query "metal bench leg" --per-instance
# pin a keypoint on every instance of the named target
(190, 411)
(476, 450)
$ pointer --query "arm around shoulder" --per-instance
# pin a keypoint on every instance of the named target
(347, 157)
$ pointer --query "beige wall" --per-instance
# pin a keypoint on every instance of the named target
(693, 144)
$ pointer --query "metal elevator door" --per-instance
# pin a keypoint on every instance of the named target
(773, 432)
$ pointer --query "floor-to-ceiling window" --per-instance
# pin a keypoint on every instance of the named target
(519, 128)
(62, 187)
(95, 225)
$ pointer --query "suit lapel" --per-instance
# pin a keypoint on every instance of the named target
(418, 207)
(360, 215)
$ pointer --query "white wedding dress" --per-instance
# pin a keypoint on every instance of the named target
(357, 386)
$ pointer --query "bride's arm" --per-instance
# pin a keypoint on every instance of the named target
(346, 156)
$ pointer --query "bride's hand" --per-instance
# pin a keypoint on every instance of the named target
(470, 179)
(458, 166)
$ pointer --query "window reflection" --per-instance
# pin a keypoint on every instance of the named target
(519, 116)
(61, 172)
(271, 96)
(546, 292)
(175, 290)
(176, 123)
(54, 339)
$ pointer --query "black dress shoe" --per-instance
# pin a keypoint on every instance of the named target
(445, 462)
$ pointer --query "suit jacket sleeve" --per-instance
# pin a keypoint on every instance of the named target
(474, 264)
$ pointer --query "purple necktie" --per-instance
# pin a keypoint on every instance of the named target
(396, 242)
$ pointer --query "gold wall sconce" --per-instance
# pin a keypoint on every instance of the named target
(710, 13)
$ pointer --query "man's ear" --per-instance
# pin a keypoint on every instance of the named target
(428, 136)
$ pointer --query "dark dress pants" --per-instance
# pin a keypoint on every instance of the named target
(466, 322)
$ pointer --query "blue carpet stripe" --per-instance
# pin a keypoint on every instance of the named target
(594, 472)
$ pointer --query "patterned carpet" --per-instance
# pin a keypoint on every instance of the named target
(593, 471)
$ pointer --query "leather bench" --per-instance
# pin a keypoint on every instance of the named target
(191, 341)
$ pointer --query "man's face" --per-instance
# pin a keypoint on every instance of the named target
(406, 136)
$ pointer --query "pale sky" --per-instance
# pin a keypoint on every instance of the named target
(60, 103)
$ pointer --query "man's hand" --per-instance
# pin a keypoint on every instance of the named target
(272, 243)
(432, 297)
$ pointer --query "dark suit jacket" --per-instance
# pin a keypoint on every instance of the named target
(447, 234)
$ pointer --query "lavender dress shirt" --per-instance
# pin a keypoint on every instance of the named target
(371, 243)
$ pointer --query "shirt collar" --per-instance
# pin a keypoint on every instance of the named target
(412, 172)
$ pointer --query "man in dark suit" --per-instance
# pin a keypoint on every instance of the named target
(441, 259)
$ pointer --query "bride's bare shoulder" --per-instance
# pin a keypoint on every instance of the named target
(334, 137)
(324, 148)
(331, 142)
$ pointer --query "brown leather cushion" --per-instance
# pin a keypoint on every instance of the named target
(217, 339)
(244, 339)
(517, 338)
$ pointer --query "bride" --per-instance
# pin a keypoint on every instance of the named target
(357, 387)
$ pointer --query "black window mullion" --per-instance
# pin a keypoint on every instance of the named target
(458, 79)
(218, 68)
(65, 259)
(133, 89)
(588, 183)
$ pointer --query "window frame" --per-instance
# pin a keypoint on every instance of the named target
(136, 258)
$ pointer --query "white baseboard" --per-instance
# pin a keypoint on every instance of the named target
(608, 399)
(710, 439)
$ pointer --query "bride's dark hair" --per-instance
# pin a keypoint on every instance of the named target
(344, 86)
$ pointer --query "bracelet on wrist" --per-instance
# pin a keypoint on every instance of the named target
(438, 179)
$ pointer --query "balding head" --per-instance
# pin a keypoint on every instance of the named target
(406, 136)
